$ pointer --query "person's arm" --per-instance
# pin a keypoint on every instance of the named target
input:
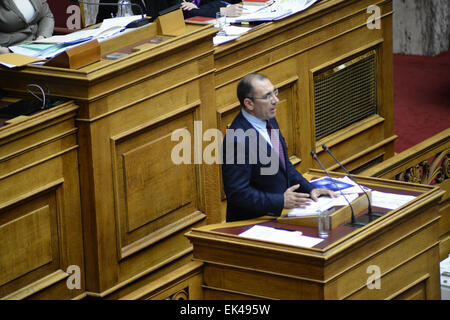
(208, 9)
(241, 193)
(46, 21)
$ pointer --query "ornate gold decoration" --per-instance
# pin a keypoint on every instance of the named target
(432, 171)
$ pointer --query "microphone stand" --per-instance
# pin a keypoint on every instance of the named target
(353, 221)
(371, 214)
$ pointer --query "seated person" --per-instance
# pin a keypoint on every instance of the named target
(24, 20)
(209, 8)
(106, 12)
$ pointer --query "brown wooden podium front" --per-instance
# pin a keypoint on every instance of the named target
(402, 247)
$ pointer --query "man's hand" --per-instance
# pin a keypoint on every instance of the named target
(188, 6)
(4, 50)
(234, 10)
(316, 193)
(294, 199)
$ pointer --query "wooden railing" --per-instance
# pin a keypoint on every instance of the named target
(425, 163)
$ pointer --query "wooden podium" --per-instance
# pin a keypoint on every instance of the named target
(401, 249)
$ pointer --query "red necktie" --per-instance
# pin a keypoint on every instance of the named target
(276, 142)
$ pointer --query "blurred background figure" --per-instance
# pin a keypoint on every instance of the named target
(209, 8)
(106, 12)
(24, 20)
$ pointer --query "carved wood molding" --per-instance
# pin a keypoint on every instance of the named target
(431, 171)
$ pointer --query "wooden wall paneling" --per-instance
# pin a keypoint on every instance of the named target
(40, 214)
(352, 40)
(143, 201)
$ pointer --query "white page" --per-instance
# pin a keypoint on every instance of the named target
(389, 200)
(280, 236)
(322, 204)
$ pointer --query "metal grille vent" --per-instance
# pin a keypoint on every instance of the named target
(345, 94)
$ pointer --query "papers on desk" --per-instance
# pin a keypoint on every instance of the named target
(52, 46)
(390, 200)
(275, 10)
(322, 204)
(13, 60)
(294, 238)
(229, 33)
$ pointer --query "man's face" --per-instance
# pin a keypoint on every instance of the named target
(263, 104)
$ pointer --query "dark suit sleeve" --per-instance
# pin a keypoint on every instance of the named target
(237, 179)
(206, 10)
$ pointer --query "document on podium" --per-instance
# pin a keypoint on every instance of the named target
(390, 200)
(295, 238)
(322, 204)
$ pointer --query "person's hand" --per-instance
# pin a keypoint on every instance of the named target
(234, 10)
(316, 193)
(294, 199)
(4, 50)
(40, 37)
(188, 6)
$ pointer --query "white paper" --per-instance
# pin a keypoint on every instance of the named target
(277, 10)
(322, 204)
(389, 200)
(222, 39)
(294, 238)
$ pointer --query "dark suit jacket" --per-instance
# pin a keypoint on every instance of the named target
(208, 8)
(249, 193)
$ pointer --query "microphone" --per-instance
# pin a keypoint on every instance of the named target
(134, 24)
(353, 221)
(370, 212)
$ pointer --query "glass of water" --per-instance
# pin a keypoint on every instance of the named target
(124, 9)
(221, 20)
(324, 223)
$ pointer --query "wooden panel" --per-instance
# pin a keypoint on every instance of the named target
(146, 178)
(144, 204)
(260, 284)
(40, 220)
(27, 239)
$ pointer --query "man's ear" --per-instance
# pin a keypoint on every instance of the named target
(248, 103)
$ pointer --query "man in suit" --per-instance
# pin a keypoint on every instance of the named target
(258, 177)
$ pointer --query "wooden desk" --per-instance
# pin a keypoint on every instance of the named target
(403, 246)
(40, 212)
(136, 204)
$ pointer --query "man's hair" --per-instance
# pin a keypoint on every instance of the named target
(245, 86)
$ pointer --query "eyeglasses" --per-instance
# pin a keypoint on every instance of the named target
(267, 96)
